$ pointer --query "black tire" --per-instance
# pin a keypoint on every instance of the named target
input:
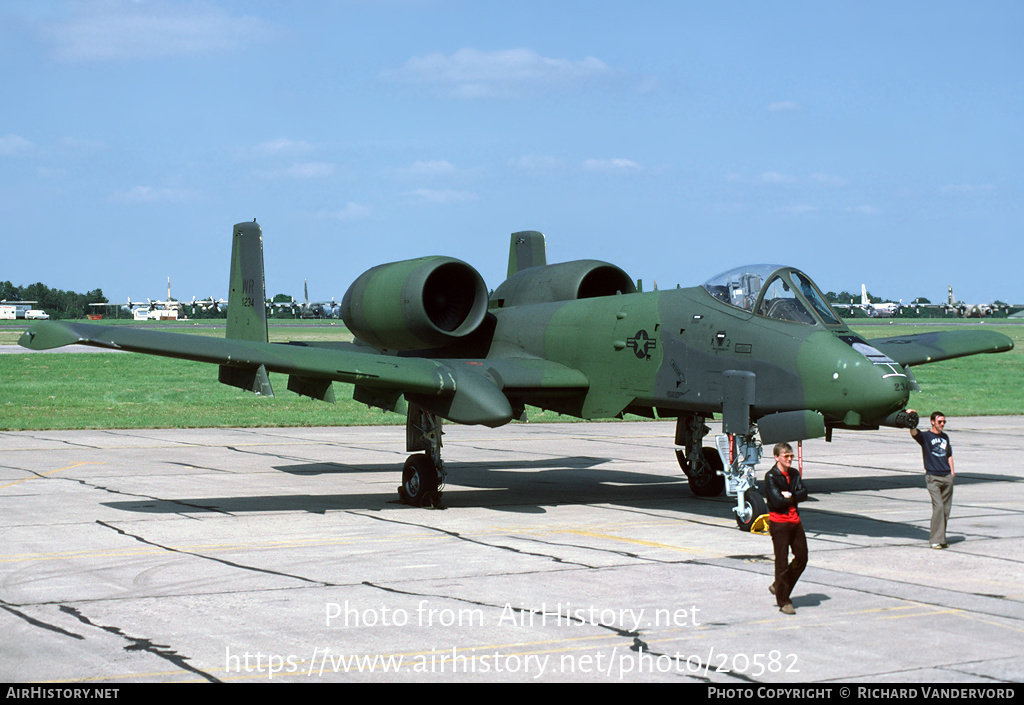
(754, 506)
(705, 481)
(419, 480)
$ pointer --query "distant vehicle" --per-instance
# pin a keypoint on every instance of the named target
(165, 310)
(11, 310)
(886, 310)
(36, 315)
(155, 314)
(316, 309)
(873, 310)
(964, 310)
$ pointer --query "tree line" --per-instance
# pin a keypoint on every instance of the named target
(56, 302)
(64, 305)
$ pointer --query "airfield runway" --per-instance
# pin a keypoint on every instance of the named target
(567, 552)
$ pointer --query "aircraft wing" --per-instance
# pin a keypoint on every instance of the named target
(922, 348)
(463, 391)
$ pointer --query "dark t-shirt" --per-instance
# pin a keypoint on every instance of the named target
(937, 451)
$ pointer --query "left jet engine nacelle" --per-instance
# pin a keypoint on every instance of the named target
(415, 304)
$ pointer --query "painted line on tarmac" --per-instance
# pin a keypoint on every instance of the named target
(35, 476)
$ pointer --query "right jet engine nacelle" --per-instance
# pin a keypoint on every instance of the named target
(566, 281)
(415, 304)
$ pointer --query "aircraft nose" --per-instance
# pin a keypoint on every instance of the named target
(863, 387)
(883, 388)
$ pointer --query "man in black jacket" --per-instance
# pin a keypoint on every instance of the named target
(784, 489)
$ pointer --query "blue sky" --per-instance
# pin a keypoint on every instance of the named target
(864, 142)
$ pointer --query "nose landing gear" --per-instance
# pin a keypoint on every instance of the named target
(742, 453)
(729, 465)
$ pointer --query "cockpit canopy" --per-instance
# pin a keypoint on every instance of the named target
(773, 291)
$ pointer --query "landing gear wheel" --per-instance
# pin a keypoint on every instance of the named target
(420, 482)
(705, 480)
(754, 506)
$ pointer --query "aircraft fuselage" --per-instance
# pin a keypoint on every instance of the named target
(667, 351)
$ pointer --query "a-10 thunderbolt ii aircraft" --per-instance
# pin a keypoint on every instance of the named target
(757, 344)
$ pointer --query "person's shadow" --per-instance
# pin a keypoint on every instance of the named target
(813, 599)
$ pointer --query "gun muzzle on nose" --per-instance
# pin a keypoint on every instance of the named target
(901, 419)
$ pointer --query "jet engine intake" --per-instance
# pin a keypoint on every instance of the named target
(415, 304)
(567, 281)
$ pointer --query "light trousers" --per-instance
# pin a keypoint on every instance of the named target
(940, 487)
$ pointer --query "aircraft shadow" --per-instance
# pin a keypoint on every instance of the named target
(824, 522)
(901, 481)
(532, 487)
(505, 486)
(840, 525)
(453, 467)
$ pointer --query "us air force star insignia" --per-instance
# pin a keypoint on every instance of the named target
(642, 344)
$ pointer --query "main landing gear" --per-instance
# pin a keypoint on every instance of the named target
(423, 474)
(729, 466)
(702, 466)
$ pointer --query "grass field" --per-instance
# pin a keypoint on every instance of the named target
(121, 390)
(979, 385)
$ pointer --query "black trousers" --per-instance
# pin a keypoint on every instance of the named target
(786, 537)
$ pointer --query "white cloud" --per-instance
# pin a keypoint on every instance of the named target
(119, 30)
(351, 211)
(536, 162)
(828, 180)
(799, 209)
(648, 84)
(11, 145)
(864, 210)
(774, 177)
(778, 178)
(307, 170)
(471, 73)
(282, 146)
(51, 173)
(611, 165)
(436, 167)
(150, 194)
(966, 189)
(442, 196)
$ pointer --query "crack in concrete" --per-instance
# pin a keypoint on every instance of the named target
(687, 666)
(140, 644)
(38, 623)
(151, 498)
(460, 537)
(231, 564)
(624, 554)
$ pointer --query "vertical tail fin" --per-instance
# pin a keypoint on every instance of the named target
(864, 300)
(247, 299)
(527, 250)
(247, 307)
